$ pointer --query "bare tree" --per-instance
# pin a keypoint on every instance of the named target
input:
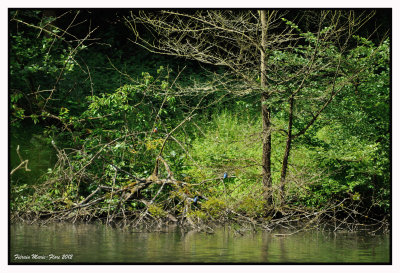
(238, 40)
(248, 44)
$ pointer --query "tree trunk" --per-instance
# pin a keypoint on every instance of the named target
(287, 148)
(266, 117)
(266, 143)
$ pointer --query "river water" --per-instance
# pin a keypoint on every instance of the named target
(97, 244)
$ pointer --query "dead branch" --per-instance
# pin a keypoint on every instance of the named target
(23, 163)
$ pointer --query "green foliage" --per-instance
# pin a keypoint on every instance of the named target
(105, 106)
(198, 215)
(38, 60)
(214, 207)
(360, 136)
(351, 144)
(228, 145)
(157, 211)
(19, 197)
(253, 206)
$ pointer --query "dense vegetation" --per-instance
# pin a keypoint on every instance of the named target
(206, 131)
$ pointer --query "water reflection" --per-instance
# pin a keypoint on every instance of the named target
(89, 243)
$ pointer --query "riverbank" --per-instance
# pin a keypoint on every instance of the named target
(153, 202)
(337, 218)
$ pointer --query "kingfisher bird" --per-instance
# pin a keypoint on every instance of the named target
(225, 175)
(155, 130)
(195, 199)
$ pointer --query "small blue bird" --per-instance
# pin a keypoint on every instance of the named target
(155, 130)
(225, 175)
(195, 199)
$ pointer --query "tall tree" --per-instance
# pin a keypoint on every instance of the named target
(266, 115)
(265, 54)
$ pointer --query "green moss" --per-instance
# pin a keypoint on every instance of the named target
(198, 214)
(253, 207)
(214, 207)
(157, 211)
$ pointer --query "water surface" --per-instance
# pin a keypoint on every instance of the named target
(96, 243)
